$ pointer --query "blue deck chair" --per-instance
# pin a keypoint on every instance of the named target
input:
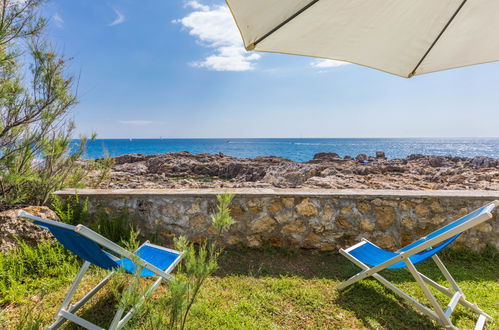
(372, 259)
(151, 260)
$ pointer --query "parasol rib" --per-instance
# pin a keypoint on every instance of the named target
(438, 37)
(253, 45)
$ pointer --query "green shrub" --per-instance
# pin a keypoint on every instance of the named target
(222, 218)
(196, 266)
(103, 169)
(73, 210)
(117, 226)
(22, 268)
(198, 263)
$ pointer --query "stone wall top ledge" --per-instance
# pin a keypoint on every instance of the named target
(478, 194)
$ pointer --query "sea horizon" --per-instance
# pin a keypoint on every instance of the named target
(297, 149)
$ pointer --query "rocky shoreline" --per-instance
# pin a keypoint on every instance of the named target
(325, 170)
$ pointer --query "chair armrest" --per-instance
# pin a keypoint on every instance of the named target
(31, 218)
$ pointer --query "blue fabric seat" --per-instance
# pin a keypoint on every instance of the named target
(372, 255)
(92, 252)
(157, 257)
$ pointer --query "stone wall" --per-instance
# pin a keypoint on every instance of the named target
(313, 219)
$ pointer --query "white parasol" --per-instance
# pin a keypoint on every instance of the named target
(402, 37)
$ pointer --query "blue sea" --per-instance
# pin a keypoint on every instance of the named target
(300, 149)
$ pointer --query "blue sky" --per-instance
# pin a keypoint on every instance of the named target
(177, 69)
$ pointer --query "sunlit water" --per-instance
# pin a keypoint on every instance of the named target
(299, 149)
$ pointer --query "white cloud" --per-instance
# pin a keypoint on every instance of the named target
(214, 27)
(324, 64)
(196, 5)
(58, 21)
(120, 18)
(228, 58)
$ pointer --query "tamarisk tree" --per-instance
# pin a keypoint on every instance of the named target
(36, 96)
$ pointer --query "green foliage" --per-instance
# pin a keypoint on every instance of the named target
(102, 168)
(462, 254)
(37, 154)
(196, 266)
(115, 226)
(222, 218)
(253, 291)
(131, 295)
(28, 320)
(22, 268)
(33, 107)
(71, 210)
(132, 242)
(58, 167)
(177, 302)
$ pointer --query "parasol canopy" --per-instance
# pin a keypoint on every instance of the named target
(402, 37)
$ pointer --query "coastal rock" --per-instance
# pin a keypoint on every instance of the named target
(484, 162)
(326, 157)
(13, 227)
(361, 157)
(326, 170)
(129, 158)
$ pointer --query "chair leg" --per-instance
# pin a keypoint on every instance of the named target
(121, 310)
(462, 300)
(69, 296)
(425, 310)
(446, 273)
(439, 314)
(128, 315)
(71, 309)
(444, 320)
(74, 286)
(448, 292)
(116, 319)
(118, 322)
(355, 278)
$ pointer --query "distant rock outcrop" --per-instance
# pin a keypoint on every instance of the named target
(325, 170)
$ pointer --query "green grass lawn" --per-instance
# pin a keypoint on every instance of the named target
(270, 289)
